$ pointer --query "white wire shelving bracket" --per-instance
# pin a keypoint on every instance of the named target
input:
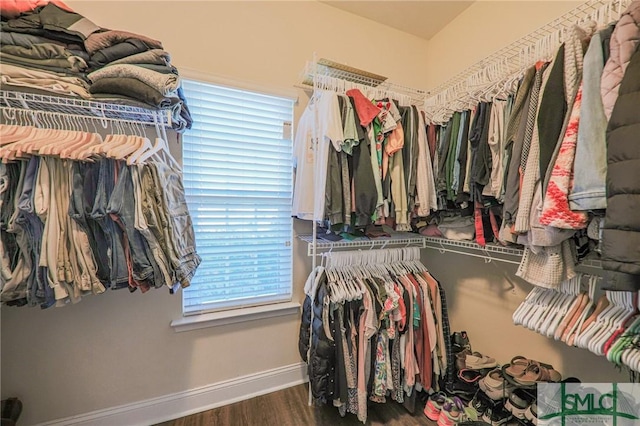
(31, 103)
(469, 248)
(331, 75)
(378, 243)
(520, 54)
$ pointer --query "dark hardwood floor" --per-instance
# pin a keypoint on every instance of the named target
(289, 407)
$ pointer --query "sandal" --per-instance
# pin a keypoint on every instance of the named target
(517, 366)
(538, 373)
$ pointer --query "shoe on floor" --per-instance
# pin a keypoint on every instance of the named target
(434, 405)
(451, 412)
(10, 409)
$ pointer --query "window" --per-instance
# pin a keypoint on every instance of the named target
(238, 177)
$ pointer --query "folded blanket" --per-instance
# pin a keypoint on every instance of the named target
(21, 39)
(73, 65)
(165, 84)
(101, 40)
(135, 89)
(37, 51)
(153, 56)
(118, 51)
(15, 76)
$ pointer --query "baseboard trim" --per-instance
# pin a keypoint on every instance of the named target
(180, 404)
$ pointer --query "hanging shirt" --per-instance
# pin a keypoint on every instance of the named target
(308, 185)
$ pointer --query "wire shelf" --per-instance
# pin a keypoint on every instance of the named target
(469, 248)
(106, 111)
(378, 243)
(521, 54)
(331, 75)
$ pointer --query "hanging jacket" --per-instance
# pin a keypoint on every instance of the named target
(623, 43)
(321, 361)
(621, 230)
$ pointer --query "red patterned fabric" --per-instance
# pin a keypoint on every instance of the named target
(555, 210)
(480, 240)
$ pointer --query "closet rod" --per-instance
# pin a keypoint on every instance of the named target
(418, 241)
(36, 116)
(520, 54)
(487, 258)
(83, 108)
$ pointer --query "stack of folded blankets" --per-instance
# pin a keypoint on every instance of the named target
(46, 47)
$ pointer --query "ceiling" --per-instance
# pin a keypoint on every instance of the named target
(420, 18)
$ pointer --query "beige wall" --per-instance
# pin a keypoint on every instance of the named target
(118, 348)
(484, 28)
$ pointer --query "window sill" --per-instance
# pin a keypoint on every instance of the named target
(215, 319)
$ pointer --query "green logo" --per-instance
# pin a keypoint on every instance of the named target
(580, 403)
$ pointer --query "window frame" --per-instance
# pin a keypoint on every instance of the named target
(242, 311)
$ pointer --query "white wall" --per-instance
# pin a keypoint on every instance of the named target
(118, 348)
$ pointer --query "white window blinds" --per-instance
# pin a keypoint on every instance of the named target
(238, 178)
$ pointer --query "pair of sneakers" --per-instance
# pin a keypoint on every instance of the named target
(447, 411)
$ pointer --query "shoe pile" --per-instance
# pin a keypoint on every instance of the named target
(483, 393)
(509, 392)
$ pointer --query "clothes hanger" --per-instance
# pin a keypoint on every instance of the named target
(569, 336)
(607, 321)
(602, 304)
(554, 308)
(525, 305)
(531, 322)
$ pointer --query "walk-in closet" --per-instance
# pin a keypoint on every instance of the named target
(319, 212)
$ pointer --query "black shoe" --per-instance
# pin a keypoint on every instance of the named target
(497, 416)
(11, 409)
(460, 341)
(461, 389)
(479, 403)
